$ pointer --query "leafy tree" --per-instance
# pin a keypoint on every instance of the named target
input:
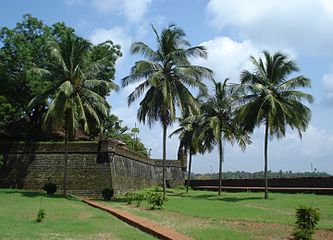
(271, 99)
(27, 69)
(218, 112)
(23, 47)
(191, 139)
(75, 102)
(164, 76)
(114, 129)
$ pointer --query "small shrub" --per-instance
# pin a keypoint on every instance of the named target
(50, 188)
(107, 193)
(306, 220)
(181, 188)
(139, 197)
(156, 199)
(40, 215)
(157, 189)
(130, 197)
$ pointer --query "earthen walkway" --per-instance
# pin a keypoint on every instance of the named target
(145, 225)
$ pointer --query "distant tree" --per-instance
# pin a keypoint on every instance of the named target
(260, 175)
(114, 129)
(271, 99)
(76, 101)
(165, 75)
(218, 112)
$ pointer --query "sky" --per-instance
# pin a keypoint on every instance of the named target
(232, 31)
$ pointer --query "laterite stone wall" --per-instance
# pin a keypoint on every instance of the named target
(91, 167)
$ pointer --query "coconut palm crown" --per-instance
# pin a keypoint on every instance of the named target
(165, 76)
(269, 97)
(75, 102)
(219, 125)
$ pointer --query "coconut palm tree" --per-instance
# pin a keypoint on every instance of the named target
(270, 98)
(164, 77)
(187, 141)
(219, 126)
(75, 102)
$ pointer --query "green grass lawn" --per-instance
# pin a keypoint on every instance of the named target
(66, 218)
(204, 215)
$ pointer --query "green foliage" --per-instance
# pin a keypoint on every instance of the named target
(269, 98)
(219, 125)
(2, 160)
(130, 197)
(107, 193)
(114, 129)
(164, 77)
(30, 66)
(40, 215)
(307, 219)
(50, 188)
(156, 199)
(137, 197)
(260, 175)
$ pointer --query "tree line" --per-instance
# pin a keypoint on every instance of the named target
(258, 175)
(56, 81)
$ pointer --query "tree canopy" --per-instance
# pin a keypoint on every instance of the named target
(28, 69)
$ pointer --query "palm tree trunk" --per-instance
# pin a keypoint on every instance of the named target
(164, 157)
(189, 171)
(220, 167)
(266, 162)
(65, 162)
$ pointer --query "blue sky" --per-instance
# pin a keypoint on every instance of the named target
(231, 30)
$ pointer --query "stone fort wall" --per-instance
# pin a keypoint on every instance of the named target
(91, 167)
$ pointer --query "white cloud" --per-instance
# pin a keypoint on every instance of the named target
(296, 24)
(227, 58)
(328, 85)
(134, 10)
(74, 2)
(118, 35)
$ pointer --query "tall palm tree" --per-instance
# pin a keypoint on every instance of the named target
(270, 98)
(188, 127)
(75, 102)
(218, 112)
(164, 76)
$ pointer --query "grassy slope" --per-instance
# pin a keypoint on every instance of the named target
(65, 219)
(204, 215)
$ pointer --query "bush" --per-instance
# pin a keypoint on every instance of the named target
(130, 197)
(138, 197)
(50, 188)
(306, 220)
(40, 215)
(156, 199)
(107, 193)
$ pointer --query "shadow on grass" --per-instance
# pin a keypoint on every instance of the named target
(31, 194)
